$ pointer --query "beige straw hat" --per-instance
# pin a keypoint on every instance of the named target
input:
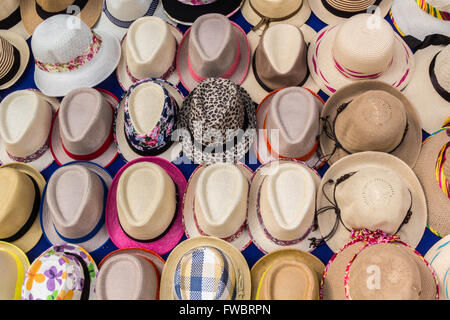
(14, 264)
(439, 258)
(14, 56)
(10, 18)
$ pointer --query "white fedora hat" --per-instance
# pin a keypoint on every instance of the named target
(68, 55)
(14, 56)
(25, 121)
(439, 259)
(11, 19)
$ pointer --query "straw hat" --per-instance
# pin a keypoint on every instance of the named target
(219, 270)
(10, 18)
(73, 56)
(287, 274)
(370, 190)
(213, 47)
(21, 187)
(149, 51)
(14, 55)
(215, 203)
(13, 263)
(129, 274)
(361, 47)
(62, 272)
(279, 60)
(26, 117)
(421, 18)
(335, 11)
(281, 206)
(370, 116)
(144, 207)
(429, 89)
(288, 126)
(146, 119)
(433, 171)
(36, 11)
(439, 258)
(187, 11)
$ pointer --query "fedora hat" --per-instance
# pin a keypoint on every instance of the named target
(421, 18)
(370, 190)
(25, 117)
(187, 11)
(370, 116)
(73, 205)
(146, 119)
(73, 56)
(21, 187)
(288, 126)
(144, 207)
(62, 272)
(287, 274)
(146, 57)
(281, 206)
(335, 11)
(14, 56)
(215, 203)
(279, 60)
(217, 122)
(433, 171)
(36, 11)
(82, 128)
(361, 47)
(10, 18)
(439, 258)
(129, 274)
(213, 47)
(375, 266)
(205, 268)
(13, 263)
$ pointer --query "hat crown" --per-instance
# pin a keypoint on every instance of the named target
(10, 274)
(7, 7)
(54, 5)
(442, 68)
(442, 5)
(353, 6)
(276, 8)
(128, 10)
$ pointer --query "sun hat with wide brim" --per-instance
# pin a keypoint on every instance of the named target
(439, 259)
(19, 258)
(19, 54)
(239, 264)
(10, 18)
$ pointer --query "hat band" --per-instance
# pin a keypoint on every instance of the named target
(33, 157)
(265, 21)
(432, 11)
(87, 276)
(395, 24)
(443, 181)
(434, 81)
(76, 63)
(345, 14)
(127, 24)
(44, 14)
(11, 64)
(196, 2)
(359, 75)
(11, 20)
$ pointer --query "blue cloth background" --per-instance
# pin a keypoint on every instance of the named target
(252, 253)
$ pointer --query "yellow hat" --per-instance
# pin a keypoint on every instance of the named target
(13, 263)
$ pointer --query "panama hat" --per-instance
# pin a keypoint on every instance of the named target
(279, 60)
(36, 11)
(73, 56)
(82, 128)
(21, 189)
(25, 117)
(361, 47)
(439, 258)
(370, 116)
(370, 190)
(288, 126)
(421, 18)
(149, 51)
(62, 272)
(335, 11)
(14, 55)
(13, 263)
(187, 11)
(213, 47)
(215, 203)
(146, 119)
(375, 266)
(281, 206)
(10, 18)
(433, 170)
(205, 268)
(129, 274)
(287, 274)
(144, 207)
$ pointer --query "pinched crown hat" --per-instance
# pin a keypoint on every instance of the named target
(14, 55)
(10, 18)
(439, 258)
(13, 263)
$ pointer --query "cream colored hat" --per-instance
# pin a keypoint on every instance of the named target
(13, 263)
(10, 18)
(362, 47)
(439, 258)
(14, 56)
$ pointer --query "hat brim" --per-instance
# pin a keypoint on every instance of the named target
(410, 147)
(410, 232)
(146, 253)
(19, 253)
(239, 262)
(256, 230)
(237, 77)
(120, 138)
(20, 30)
(173, 235)
(241, 242)
(330, 79)
(21, 45)
(440, 265)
